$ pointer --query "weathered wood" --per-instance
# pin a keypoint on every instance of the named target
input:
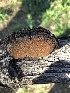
(53, 68)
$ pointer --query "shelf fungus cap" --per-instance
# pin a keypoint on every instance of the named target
(35, 42)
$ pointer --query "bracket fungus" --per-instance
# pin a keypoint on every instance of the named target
(35, 42)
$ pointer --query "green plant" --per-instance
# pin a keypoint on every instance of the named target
(22, 90)
(57, 17)
(18, 27)
(3, 14)
(52, 14)
(35, 9)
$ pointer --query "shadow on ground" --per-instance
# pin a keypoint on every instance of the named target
(67, 32)
(60, 88)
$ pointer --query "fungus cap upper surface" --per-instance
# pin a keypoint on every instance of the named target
(35, 42)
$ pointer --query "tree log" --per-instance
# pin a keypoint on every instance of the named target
(53, 68)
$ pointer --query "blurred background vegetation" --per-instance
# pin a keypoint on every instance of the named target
(51, 14)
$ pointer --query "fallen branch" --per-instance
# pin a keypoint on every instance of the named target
(53, 68)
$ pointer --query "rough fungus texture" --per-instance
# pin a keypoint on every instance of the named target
(17, 72)
(35, 42)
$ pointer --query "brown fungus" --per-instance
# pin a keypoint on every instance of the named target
(35, 42)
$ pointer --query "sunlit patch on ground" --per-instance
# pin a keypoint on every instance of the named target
(38, 88)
